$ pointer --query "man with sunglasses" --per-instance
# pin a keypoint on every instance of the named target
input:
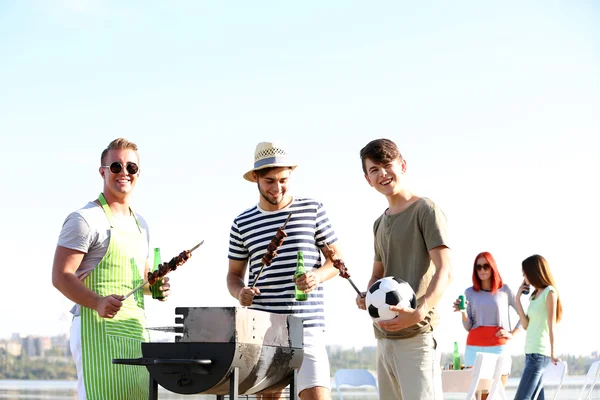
(411, 244)
(102, 254)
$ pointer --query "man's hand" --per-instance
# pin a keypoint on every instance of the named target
(109, 306)
(307, 282)
(165, 288)
(406, 317)
(360, 301)
(246, 295)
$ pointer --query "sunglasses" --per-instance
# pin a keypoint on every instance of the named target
(116, 167)
(479, 267)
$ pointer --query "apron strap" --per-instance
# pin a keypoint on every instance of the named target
(108, 213)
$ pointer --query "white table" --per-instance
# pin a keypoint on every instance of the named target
(459, 381)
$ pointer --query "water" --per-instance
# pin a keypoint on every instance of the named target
(67, 390)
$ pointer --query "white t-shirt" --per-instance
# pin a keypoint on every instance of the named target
(88, 230)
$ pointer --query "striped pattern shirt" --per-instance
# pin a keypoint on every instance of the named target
(307, 230)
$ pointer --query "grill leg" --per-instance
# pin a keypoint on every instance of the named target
(153, 392)
(294, 385)
(234, 383)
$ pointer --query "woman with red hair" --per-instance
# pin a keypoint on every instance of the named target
(486, 316)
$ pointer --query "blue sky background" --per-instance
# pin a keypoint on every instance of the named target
(494, 106)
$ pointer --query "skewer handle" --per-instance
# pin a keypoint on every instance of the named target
(196, 246)
(286, 221)
(355, 288)
(136, 289)
(258, 276)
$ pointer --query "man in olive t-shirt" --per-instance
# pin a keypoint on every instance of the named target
(410, 244)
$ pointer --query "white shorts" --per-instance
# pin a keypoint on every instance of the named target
(315, 366)
(75, 344)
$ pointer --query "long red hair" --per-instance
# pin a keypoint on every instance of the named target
(496, 278)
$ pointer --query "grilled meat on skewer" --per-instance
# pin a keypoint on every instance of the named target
(273, 246)
(172, 265)
(337, 263)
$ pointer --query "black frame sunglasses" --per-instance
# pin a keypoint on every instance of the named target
(486, 266)
(116, 168)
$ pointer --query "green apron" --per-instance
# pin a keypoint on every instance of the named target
(103, 339)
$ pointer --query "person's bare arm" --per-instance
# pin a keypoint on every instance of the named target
(66, 262)
(327, 270)
(441, 279)
(466, 320)
(439, 283)
(236, 285)
(376, 274)
(551, 302)
(522, 316)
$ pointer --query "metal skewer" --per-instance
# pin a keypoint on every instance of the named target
(349, 280)
(141, 285)
(168, 329)
(263, 264)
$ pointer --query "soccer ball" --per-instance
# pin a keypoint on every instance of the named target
(388, 292)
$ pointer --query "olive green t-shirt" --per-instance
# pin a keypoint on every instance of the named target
(402, 244)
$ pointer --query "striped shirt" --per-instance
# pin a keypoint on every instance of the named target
(307, 230)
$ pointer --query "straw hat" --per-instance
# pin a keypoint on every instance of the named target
(266, 155)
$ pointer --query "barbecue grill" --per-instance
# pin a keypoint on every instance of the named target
(225, 350)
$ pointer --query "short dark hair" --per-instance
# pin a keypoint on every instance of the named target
(264, 171)
(380, 151)
(117, 144)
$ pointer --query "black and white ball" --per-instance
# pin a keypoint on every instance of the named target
(388, 292)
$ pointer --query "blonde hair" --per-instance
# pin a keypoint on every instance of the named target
(118, 144)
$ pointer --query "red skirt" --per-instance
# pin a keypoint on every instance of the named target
(485, 336)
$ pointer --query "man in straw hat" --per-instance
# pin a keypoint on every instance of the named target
(308, 230)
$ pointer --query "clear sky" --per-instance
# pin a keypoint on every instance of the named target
(494, 106)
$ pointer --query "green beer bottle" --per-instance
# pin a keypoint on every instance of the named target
(455, 357)
(155, 289)
(300, 295)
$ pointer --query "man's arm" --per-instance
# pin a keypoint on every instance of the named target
(236, 285)
(439, 283)
(310, 281)
(66, 262)
(327, 270)
(376, 274)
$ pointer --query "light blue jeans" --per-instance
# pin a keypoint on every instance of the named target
(532, 377)
(471, 355)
